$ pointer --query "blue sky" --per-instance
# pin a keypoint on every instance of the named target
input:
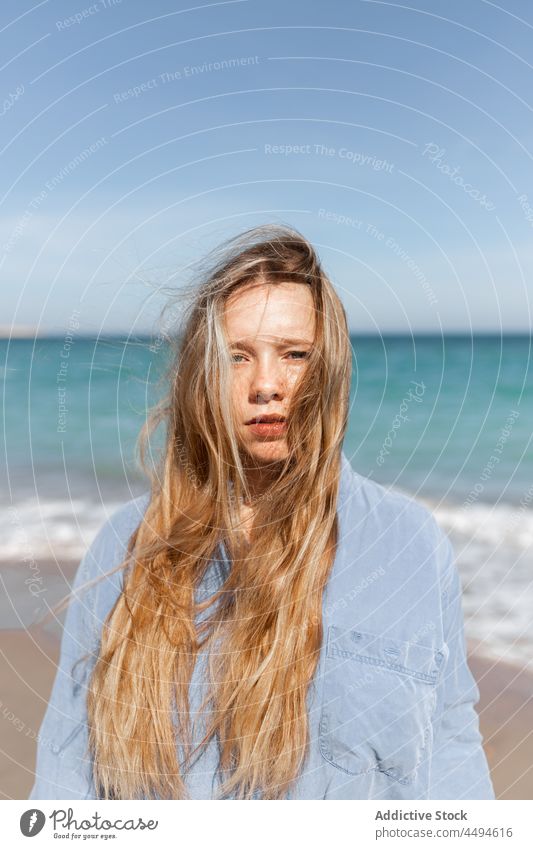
(396, 137)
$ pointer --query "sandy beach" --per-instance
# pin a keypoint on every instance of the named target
(506, 719)
(27, 666)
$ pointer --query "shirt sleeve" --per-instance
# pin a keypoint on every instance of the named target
(459, 768)
(63, 766)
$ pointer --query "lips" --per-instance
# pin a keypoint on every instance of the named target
(266, 419)
(268, 427)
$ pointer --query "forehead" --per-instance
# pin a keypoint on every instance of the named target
(272, 310)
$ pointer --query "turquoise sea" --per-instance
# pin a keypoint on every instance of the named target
(446, 419)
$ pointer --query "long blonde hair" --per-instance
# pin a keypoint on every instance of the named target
(267, 621)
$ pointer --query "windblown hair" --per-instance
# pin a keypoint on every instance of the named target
(262, 630)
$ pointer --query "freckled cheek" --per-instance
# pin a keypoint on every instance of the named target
(239, 396)
(294, 374)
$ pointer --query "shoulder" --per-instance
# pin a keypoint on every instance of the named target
(123, 521)
(398, 528)
(99, 580)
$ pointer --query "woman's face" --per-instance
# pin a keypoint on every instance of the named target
(270, 330)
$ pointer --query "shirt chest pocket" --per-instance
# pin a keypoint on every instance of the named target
(378, 700)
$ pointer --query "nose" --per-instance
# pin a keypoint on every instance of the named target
(267, 382)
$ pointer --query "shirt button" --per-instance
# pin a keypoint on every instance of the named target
(356, 635)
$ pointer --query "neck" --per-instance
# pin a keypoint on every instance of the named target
(256, 487)
(258, 479)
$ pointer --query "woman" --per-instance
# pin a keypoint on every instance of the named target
(271, 624)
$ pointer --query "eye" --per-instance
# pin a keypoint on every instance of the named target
(233, 357)
(300, 355)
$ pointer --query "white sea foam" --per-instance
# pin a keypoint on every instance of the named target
(42, 529)
(493, 546)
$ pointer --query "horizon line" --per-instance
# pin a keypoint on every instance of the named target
(144, 335)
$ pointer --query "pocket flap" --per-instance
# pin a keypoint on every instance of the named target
(409, 658)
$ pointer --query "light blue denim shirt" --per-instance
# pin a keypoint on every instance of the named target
(392, 704)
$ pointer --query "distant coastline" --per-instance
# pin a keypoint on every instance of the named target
(20, 331)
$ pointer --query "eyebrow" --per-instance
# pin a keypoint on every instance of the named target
(283, 342)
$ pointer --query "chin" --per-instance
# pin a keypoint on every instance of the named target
(268, 452)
